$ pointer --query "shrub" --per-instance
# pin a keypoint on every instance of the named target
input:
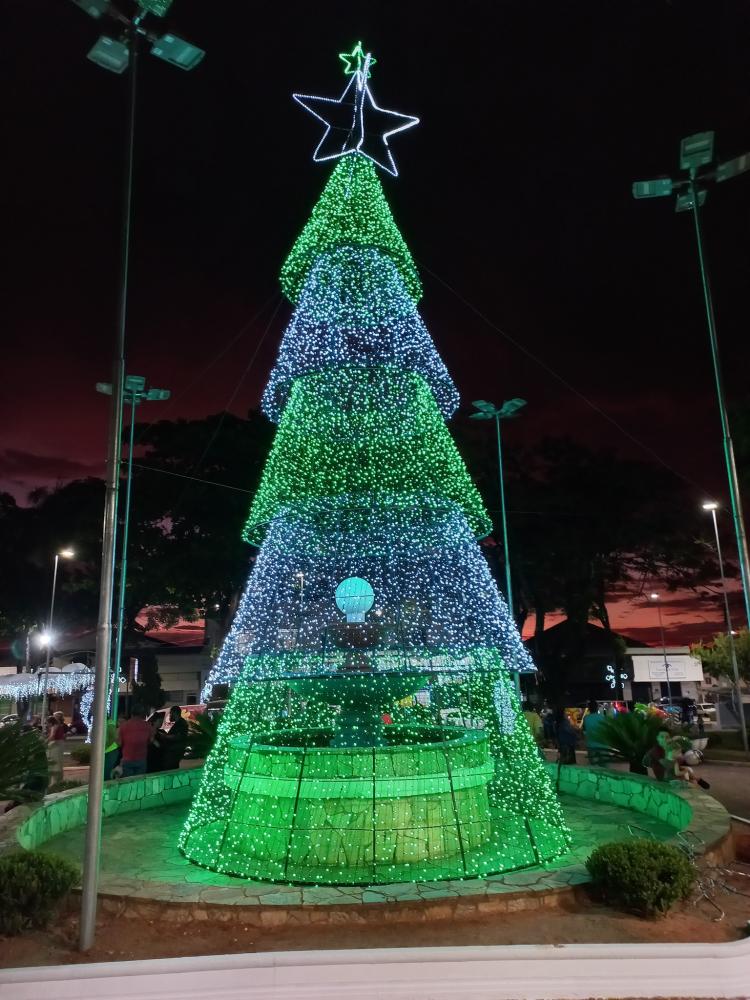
(24, 771)
(629, 736)
(643, 876)
(32, 885)
(82, 754)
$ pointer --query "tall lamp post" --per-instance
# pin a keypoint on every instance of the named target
(712, 506)
(135, 392)
(488, 411)
(47, 639)
(699, 169)
(655, 598)
(117, 54)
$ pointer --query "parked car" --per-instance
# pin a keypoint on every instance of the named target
(707, 709)
(8, 720)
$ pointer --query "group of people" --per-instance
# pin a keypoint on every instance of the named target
(554, 726)
(666, 759)
(138, 746)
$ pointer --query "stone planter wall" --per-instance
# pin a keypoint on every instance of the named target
(30, 826)
(633, 791)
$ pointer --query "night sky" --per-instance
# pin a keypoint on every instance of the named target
(514, 191)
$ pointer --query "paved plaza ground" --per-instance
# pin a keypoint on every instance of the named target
(140, 856)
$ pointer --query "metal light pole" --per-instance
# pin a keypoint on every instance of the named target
(697, 162)
(117, 55)
(135, 392)
(488, 411)
(712, 506)
(655, 599)
(66, 554)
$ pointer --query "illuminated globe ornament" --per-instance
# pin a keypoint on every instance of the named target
(354, 598)
(332, 765)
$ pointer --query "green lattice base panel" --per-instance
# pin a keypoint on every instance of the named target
(414, 811)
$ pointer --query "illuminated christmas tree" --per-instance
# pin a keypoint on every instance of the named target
(370, 612)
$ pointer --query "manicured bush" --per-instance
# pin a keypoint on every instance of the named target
(642, 876)
(82, 754)
(32, 885)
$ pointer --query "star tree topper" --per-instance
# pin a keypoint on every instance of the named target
(354, 122)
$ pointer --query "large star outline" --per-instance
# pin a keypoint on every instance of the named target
(349, 119)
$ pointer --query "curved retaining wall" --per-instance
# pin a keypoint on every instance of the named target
(30, 826)
(258, 904)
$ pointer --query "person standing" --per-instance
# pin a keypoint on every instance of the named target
(56, 733)
(534, 720)
(111, 749)
(173, 743)
(134, 736)
(566, 736)
(592, 720)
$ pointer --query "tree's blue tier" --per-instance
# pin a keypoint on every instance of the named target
(354, 309)
(435, 599)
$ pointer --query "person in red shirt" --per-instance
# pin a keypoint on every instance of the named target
(134, 737)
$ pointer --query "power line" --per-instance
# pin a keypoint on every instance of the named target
(195, 479)
(563, 381)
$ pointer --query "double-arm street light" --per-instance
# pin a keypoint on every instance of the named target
(135, 392)
(117, 54)
(47, 637)
(698, 170)
(712, 506)
(488, 411)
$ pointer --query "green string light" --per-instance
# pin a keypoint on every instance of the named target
(332, 763)
(351, 211)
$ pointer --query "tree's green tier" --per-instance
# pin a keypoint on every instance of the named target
(283, 800)
(351, 211)
(362, 437)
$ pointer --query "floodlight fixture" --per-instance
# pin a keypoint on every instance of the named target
(157, 7)
(697, 151)
(660, 187)
(135, 383)
(511, 408)
(94, 8)
(110, 54)
(732, 168)
(177, 52)
(157, 395)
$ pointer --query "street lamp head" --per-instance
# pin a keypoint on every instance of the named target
(44, 638)
(487, 411)
(67, 553)
(111, 54)
(177, 52)
(653, 597)
(511, 407)
(158, 395)
(94, 8)
(710, 505)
